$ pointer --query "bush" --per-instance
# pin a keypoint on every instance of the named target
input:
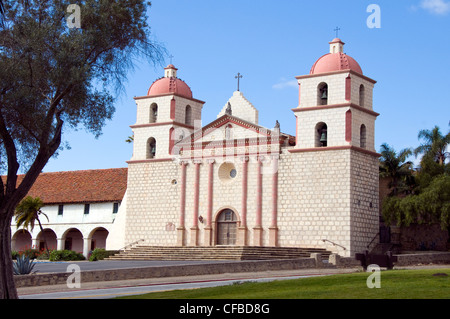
(30, 253)
(44, 255)
(100, 254)
(65, 255)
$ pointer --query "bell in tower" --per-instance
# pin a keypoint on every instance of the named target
(322, 132)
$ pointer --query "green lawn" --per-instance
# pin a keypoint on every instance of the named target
(395, 284)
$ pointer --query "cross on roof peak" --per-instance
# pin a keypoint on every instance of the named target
(238, 77)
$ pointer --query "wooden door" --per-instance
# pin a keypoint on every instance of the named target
(226, 228)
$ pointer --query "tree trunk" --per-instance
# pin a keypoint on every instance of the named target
(7, 286)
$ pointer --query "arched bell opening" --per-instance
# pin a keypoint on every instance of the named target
(322, 94)
(321, 134)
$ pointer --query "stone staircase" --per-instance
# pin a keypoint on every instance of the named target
(143, 252)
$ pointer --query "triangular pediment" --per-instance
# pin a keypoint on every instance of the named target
(238, 129)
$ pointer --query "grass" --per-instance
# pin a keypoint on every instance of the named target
(395, 284)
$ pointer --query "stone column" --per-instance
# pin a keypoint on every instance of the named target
(257, 230)
(242, 231)
(35, 243)
(208, 228)
(194, 228)
(273, 229)
(60, 243)
(181, 229)
(86, 246)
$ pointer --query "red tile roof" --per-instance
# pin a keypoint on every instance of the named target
(87, 186)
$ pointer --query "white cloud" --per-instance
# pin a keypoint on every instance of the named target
(439, 7)
(285, 84)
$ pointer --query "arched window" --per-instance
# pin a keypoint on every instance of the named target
(322, 94)
(188, 115)
(362, 136)
(153, 113)
(321, 135)
(151, 148)
(361, 95)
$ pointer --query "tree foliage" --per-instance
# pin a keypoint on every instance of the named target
(56, 78)
(434, 145)
(28, 211)
(429, 200)
(395, 166)
(430, 206)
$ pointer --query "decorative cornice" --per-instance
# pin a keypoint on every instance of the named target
(334, 106)
(153, 160)
(167, 94)
(161, 124)
(336, 72)
(335, 148)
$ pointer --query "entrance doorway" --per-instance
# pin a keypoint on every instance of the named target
(226, 228)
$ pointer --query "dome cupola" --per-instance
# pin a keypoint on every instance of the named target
(170, 84)
(336, 60)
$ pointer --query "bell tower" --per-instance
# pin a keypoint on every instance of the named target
(335, 103)
(165, 115)
(335, 148)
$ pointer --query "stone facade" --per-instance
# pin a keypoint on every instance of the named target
(233, 182)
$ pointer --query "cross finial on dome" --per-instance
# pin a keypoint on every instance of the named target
(337, 31)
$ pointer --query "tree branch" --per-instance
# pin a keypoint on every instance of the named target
(11, 153)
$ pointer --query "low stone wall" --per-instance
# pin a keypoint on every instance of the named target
(412, 259)
(166, 271)
(424, 258)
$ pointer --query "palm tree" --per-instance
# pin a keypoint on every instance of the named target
(395, 167)
(435, 145)
(27, 213)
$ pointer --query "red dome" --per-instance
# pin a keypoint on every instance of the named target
(170, 85)
(335, 62)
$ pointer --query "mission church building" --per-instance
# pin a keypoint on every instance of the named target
(231, 182)
(234, 182)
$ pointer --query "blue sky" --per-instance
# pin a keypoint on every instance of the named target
(271, 42)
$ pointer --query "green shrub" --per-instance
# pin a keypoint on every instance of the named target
(65, 255)
(100, 254)
(43, 255)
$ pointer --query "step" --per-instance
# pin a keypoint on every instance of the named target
(145, 252)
